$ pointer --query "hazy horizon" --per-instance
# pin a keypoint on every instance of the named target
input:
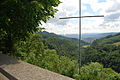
(83, 33)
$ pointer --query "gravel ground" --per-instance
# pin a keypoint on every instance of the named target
(25, 71)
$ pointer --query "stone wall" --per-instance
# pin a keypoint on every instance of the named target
(24, 71)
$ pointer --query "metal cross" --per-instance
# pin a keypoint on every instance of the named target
(80, 8)
(80, 55)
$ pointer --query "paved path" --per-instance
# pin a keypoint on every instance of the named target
(24, 71)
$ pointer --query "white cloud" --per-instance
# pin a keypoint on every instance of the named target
(56, 21)
(59, 26)
(109, 8)
(110, 23)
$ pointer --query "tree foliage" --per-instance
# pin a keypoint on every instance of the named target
(19, 18)
(95, 71)
(59, 64)
(105, 51)
(63, 45)
(35, 52)
(106, 54)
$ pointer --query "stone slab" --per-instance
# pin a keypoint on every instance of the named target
(25, 71)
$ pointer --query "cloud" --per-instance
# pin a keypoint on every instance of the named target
(109, 8)
(114, 7)
(110, 23)
(112, 17)
(56, 21)
(66, 9)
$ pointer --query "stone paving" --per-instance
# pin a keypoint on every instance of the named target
(24, 71)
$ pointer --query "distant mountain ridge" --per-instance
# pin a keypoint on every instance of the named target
(110, 39)
(90, 37)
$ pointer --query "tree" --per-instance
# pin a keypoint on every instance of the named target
(32, 47)
(35, 52)
(60, 64)
(107, 54)
(96, 71)
(20, 18)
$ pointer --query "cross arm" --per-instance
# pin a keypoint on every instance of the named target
(82, 17)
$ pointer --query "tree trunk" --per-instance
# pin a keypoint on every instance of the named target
(9, 45)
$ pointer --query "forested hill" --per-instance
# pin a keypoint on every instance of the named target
(64, 46)
(110, 39)
(51, 35)
(106, 51)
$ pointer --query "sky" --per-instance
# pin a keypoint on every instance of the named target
(68, 8)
